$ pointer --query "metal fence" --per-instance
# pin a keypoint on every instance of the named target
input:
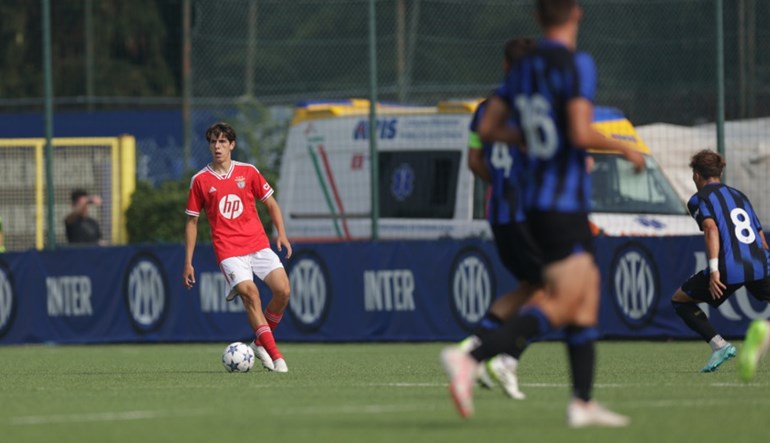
(657, 62)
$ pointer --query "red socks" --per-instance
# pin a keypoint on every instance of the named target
(266, 340)
(272, 319)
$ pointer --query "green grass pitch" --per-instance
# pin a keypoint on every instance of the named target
(363, 393)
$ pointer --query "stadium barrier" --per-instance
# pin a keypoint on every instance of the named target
(359, 291)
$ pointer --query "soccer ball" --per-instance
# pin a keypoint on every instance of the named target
(238, 357)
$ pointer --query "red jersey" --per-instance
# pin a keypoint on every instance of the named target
(229, 203)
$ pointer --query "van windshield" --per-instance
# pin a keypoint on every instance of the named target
(615, 188)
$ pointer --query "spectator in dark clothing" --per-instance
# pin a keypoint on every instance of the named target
(80, 227)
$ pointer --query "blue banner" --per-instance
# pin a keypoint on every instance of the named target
(359, 291)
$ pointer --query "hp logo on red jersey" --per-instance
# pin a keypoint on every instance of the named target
(230, 206)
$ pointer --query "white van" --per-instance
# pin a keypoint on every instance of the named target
(426, 190)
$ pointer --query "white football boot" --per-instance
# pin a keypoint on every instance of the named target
(461, 369)
(502, 368)
(581, 414)
(261, 353)
(280, 365)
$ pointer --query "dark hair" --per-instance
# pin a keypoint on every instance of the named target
(518, 47)
(220, 128)
(554, 12)
(77, 193)
(708, 164)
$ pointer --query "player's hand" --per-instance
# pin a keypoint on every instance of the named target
(188, 276)
(716, 287)
(636, 159)
(281, 242)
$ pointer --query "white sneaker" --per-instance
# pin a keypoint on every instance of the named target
(483, 378)
(581, 414)
(502, 368)
(280, 365)
(460, 368)
(263, 356)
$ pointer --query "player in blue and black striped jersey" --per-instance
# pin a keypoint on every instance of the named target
(549, 95)
(736, 249)
(496, 164)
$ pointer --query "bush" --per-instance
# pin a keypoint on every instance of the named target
(156, 215)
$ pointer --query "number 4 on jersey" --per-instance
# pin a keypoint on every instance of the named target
(501, 158)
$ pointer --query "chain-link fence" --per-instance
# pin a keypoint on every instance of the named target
(656, 58)
(657, 62)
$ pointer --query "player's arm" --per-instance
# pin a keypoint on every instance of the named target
(476, 157)
(477, 165)
(580, 112)
(190, 235)
(711, 237)
(494, 123)
(275, 215)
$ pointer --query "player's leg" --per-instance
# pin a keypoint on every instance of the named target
(685, 302)
(580, 339)
(264, 346)
(239, 275)
(278, 282)
(267, 266)
(757, 340)
(521, 256)
(503, 308)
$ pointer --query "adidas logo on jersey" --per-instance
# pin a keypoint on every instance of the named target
(213, 189)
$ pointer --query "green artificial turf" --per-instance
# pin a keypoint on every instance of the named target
(363, 393)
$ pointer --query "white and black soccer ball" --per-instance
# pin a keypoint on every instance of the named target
(238, 357)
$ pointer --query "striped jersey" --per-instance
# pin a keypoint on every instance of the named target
(537, 91)
(741, 255)
(230, 206)
(502, 161)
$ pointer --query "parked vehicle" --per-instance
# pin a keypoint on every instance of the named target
(425, 188)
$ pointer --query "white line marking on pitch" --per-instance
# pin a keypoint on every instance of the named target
(90, 417)
(353, 409)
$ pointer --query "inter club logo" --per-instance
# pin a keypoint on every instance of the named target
(7, 299)
(230, 206)
(635, 285)
(471, 286)
(144, 287)
(311, 291)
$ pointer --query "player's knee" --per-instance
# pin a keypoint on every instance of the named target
(680, 297)
(251, 299)
(282, 292)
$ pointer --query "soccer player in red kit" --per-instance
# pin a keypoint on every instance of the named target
(227, 190)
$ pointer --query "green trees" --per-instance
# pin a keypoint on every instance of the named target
(131, 49)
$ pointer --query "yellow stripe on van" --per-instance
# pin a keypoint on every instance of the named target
(619, 129)
(622, 130)
(354, 107)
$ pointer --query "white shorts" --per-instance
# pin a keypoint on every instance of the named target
(239, 269)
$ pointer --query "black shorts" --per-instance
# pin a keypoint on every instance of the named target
(560, 234)
(697, 287)
(518, 251)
